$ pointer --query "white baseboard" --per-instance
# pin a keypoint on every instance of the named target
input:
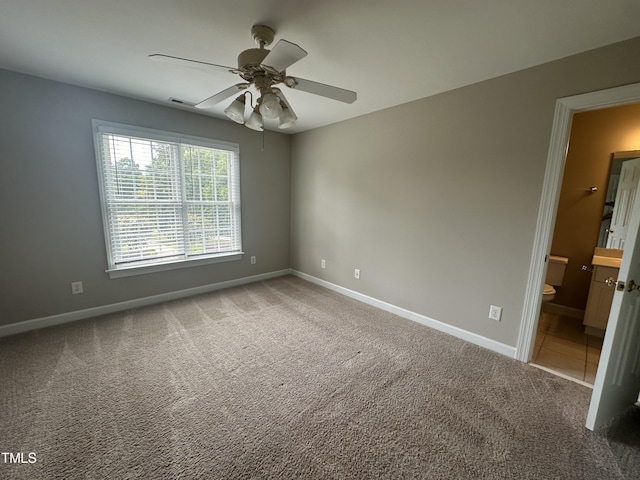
(52, 320)
(471, 337)
(36, 323)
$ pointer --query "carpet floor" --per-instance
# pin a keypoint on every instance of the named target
(283, 379)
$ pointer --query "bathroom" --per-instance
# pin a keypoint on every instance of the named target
(564, 345)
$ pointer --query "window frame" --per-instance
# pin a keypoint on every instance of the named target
(117, 271)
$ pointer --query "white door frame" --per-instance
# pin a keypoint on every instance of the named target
(560, 132)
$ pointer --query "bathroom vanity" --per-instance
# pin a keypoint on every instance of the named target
(606, 265)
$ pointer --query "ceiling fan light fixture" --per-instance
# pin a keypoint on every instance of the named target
(287, 118)
(255, 121)
(262, 70)
(270, 106)
(235, 111)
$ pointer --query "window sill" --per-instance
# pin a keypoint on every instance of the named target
(161, 267)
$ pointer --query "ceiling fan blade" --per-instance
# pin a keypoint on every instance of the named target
(158, 57)
(335, 93)
(283, 55)
(220, 96)
(281, 96)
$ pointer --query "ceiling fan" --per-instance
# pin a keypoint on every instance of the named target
(263, 69)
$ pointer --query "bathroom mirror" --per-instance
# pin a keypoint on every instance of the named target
(609, 234)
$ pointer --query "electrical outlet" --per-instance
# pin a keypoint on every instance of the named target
(76, 287)
(323, 263)
(356, 274)
(253, 260)
(495, 313)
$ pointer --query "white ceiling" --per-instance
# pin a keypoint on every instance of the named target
(390, 52)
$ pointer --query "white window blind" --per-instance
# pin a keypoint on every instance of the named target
(166, 198)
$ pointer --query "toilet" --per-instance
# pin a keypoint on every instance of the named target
(555, 275)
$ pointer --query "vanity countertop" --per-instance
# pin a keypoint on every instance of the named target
(606, 261)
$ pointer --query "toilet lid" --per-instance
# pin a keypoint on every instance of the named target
(548, 289)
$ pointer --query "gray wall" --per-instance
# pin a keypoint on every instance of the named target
(436, 201)
(51, 221)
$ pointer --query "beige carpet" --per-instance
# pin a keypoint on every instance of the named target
(284, 379)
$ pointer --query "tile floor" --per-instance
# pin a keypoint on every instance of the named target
(562, 346)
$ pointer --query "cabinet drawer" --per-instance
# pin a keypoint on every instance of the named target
(600, 274)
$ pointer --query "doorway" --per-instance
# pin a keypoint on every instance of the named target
(597, 176)
(547, 212)
(616, 381)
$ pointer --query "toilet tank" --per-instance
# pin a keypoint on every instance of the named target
(555, 270)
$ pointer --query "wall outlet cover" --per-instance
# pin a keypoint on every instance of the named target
(76, 288)
(495, 313)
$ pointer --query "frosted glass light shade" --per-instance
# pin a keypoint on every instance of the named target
(235, 111)
(255, 121)
(270, 106)
(287, 118)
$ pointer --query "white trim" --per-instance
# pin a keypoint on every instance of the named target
(36, 323)
(565, 108)
(413, 316)
(544, 229)
(52, 320)
(161, 267)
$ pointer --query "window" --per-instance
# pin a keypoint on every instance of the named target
(166, 199)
